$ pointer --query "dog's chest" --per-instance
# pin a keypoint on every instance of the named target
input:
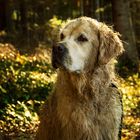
(90, 121)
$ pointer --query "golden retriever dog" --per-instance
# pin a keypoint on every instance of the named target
(85, 103)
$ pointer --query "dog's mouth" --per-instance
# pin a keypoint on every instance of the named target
(57, 62)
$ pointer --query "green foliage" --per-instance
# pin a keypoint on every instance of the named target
(20, 116)
(25, 83)
(23, 80)
(130, 88)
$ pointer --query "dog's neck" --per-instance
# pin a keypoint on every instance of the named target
(91, 82)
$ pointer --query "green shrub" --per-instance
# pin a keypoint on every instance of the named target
(25, 83)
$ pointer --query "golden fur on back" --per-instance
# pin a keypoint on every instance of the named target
(85, 105)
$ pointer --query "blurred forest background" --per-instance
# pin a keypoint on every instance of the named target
(27, 28)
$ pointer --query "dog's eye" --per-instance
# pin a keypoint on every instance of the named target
(82, 38)
(62, 36)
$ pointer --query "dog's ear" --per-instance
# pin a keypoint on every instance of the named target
(110, 44)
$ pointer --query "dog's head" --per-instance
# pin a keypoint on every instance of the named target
(83, 43)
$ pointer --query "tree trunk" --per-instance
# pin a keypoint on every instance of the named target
(135, 10)
(6, 22)
(3, 15)
(23, 15)
(123, 24)
(97, 15)
(81, 8)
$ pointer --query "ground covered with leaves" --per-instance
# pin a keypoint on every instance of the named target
(26, 81)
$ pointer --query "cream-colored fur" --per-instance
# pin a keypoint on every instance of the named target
(84, 104)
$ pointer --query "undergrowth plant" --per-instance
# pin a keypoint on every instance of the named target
(25, 83)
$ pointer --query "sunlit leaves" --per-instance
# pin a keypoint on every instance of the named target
(25, 82)
(131, 102)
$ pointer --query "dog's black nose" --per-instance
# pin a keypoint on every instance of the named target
(59, 52)
(60, 48)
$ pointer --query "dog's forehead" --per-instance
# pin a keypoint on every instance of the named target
(72, 27)
(80, 25)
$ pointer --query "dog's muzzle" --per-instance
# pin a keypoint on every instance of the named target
(58, 54)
